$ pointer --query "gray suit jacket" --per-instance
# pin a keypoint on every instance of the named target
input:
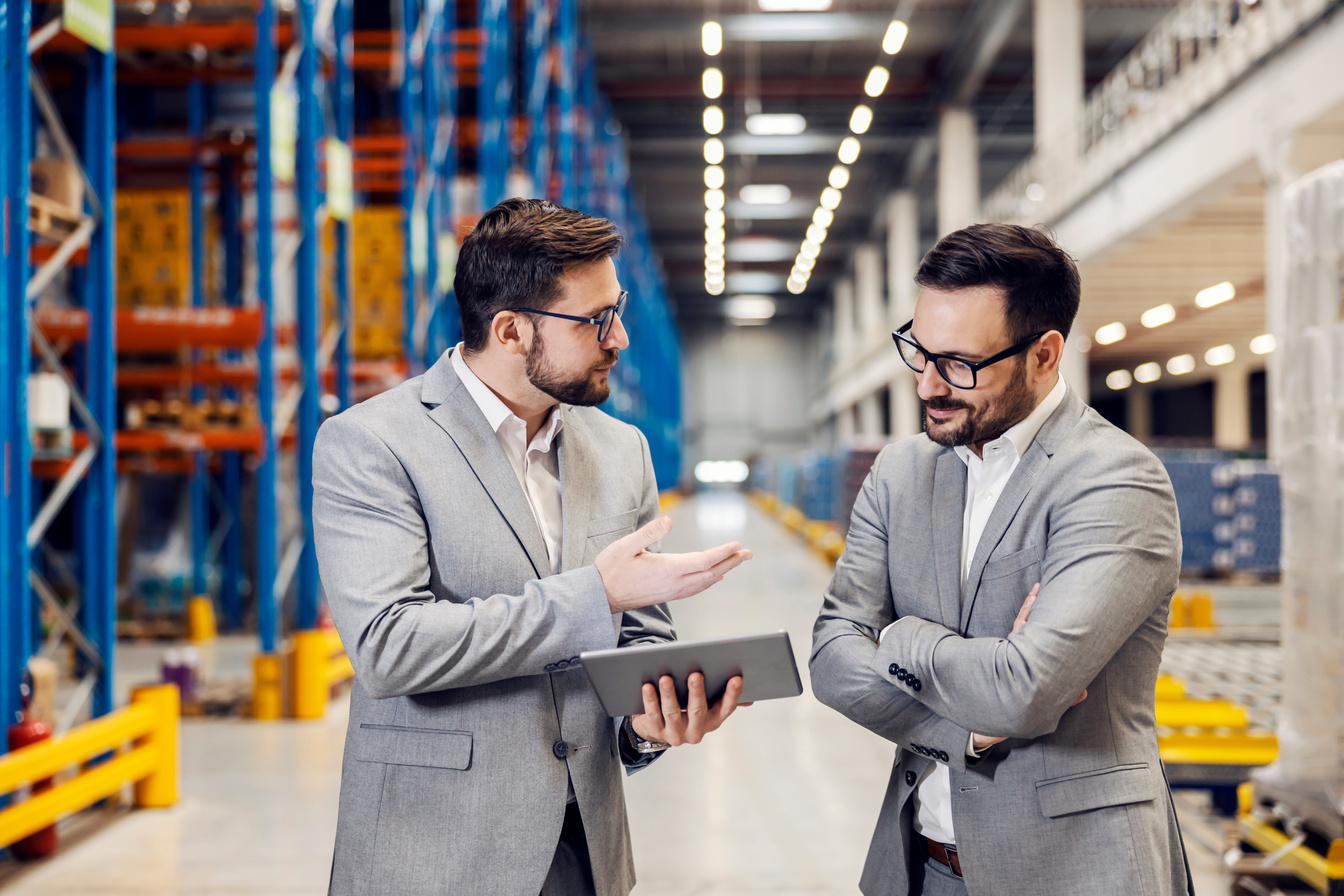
(1075, 801)
(465, 646)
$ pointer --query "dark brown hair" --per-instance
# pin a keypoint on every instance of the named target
(514, 257)
(1040, 283)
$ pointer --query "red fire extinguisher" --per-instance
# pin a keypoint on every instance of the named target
(28, 730)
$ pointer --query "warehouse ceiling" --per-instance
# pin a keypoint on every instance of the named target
(650, 61)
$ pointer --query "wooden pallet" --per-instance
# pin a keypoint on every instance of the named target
(219, 698)
(161, 628)
(50, 219)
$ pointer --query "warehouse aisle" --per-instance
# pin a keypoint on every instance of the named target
(781, 801)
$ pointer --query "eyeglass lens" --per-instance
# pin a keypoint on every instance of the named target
(609, 317)
(955, 372)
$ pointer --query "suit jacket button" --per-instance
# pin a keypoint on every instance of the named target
(560, 749)
(550, 667)
(942, 754)
(893, 668)
(910, 779)
(563, 664)
(916, 684)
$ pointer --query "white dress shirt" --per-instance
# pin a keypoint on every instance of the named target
(986, 477)
(537, 465)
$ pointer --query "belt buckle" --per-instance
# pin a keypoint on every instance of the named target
(954, 867)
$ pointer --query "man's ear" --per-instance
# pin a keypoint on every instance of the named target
(1047, 353)
(511, 331)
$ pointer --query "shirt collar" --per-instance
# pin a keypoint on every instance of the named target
(1020, 435)
(496, 412)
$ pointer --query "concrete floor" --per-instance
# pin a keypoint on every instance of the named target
(782, 801)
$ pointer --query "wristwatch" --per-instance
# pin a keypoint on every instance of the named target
(640, 744)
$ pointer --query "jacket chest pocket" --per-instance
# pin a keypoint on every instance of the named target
(425, 747)
(1115, 786)
(1004, 585)
(602, 531)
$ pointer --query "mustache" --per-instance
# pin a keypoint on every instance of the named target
(943, 403)
(611, 358)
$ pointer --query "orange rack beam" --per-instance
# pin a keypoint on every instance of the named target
(157, 38)
(160, 329)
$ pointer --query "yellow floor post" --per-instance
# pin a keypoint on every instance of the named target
(159, 790)
(312, 655)
(267, 680)
(1201, 610)
(201, 619)
(1180, 617)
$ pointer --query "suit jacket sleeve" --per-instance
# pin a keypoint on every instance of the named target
(372, 543)
(857, 605)
(649, 625)
(1112, 556)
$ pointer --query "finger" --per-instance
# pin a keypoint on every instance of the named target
(697, 708)
(651, 712)
(645, 535)
(699, 561)
(1081, 698)
(1021, 619)
(728, 702)
(674, 723)
(695, 582)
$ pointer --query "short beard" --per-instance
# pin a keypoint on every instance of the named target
(987, 422)
(580, 390)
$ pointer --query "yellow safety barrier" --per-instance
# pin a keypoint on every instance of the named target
(149, 724)
(201, 619)
(1323, 873)
(1180, 614)
(1218, 749)
(268, 696)
(320, 661)
(1199, 714)
(1201, 610)
(669, 499)
(1169, 688)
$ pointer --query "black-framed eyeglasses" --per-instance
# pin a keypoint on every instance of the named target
(603, 321)
(958, 372)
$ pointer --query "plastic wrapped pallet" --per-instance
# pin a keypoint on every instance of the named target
(1307, 404)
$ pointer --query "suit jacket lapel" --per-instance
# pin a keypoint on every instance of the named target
(578, 477)
(460, 417)
(1015, 492)
(949, 505)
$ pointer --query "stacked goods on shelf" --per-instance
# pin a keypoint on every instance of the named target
(816, 486)
(153, 248)
(858, 461)
(1256, 541)
(1197, 501)
(56, 200)
(378, 277)
(1229, 513)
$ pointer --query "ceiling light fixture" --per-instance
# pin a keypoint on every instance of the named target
(816, 234)
(714, 288)
(750, 307)
(794, 5)
(714, 177)
(711, 38)
(715, 217)
(714, 199)
(1220, 355)
(823, 217)
(715, 236)
(714, 250)
(861, 119)
(1156, 317)
(781, 124)
(1119, 379)
(713, 150)
(894, 39)
(1148, 373)
(849, 150)
(805, 264)
(1215, 295)
(1110, 333)
(877, 81)
(1179, 365)
(1263, 344)
(711, 82)
(809, 249)
(713, 120)
(839, 178)
(765, 194)
(830, 198)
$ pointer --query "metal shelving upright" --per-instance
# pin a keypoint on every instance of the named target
(80, 612)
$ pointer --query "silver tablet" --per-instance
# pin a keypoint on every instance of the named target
(765, 663)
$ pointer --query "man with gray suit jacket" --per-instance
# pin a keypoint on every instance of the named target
(478, 527)
(1027, 760)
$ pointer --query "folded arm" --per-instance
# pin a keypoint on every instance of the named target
(1111, 559)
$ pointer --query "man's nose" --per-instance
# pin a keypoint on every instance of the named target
(931, 384)
(617, 339)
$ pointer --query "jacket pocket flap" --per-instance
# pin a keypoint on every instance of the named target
(1114, 786)
(626, 519)
(1011, 563)
(427, 747)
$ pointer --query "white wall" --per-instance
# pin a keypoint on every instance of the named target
(746, 390)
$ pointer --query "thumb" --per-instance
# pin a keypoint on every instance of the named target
(647, 534)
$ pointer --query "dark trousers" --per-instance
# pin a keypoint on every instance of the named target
(931, 878)
(571, 871)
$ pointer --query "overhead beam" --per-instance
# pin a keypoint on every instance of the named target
(758, 27)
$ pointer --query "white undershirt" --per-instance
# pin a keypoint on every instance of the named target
(537, 465)
(986, 477)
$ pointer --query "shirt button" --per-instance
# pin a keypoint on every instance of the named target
(987, 495)
(560, 749)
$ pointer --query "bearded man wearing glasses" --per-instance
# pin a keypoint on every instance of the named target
(1001, 605)
(477, 529)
